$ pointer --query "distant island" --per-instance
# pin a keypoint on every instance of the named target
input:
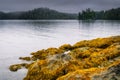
(46, 13)
(111, 14)
(38, 13)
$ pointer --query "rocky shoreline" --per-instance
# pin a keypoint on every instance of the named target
(97, 59)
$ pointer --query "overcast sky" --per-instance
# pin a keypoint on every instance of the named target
(60, 5)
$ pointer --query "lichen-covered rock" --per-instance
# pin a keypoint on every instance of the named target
(15, 67)
(97, 59)
(42, 54)
(66, 47)
(85, 74)
(111, 73)
(25, 65)
(105, 73)
(25, 58)
(98, 43)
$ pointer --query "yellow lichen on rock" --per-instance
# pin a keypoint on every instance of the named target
(95, 59)
(25, 58)
(84, 74)
(65, 47)
(16, 67)
(98, 43)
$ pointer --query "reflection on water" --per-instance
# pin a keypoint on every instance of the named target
(99, 28)
(20, 37)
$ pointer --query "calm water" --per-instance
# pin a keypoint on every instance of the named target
(19, 38)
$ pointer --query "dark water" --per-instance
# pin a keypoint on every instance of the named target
(19, 38)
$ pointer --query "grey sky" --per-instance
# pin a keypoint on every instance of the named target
(60, 5)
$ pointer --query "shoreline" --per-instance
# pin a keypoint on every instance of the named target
(68, 61)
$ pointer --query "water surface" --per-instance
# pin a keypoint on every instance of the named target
(20, 37)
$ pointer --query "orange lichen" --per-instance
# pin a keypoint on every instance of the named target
(25, 58)
(65, 47)
(84, 74)
(98, 43)
(16, 67)
(82, 61)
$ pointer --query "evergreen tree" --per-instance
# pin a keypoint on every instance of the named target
(88, 14)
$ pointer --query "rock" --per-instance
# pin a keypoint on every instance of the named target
(66, 47)
(97, 59)
(25, 58)
(25, 65)
(111, 73)
(15, 67)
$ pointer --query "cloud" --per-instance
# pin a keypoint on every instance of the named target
(60, 5)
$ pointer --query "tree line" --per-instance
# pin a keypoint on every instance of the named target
(88, 14)
(38, 13)
(46, 13)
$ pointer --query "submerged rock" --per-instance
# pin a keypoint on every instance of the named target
(97, 59)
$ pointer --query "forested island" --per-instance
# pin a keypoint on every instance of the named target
(46, 13)
(89, 14)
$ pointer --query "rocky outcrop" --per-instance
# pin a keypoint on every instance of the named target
(15, 67)
(97, 59)
(105, 73)
(25, 58)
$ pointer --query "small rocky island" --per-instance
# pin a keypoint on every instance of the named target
(97, 59)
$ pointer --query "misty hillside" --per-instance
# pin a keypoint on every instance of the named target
(38, 13)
